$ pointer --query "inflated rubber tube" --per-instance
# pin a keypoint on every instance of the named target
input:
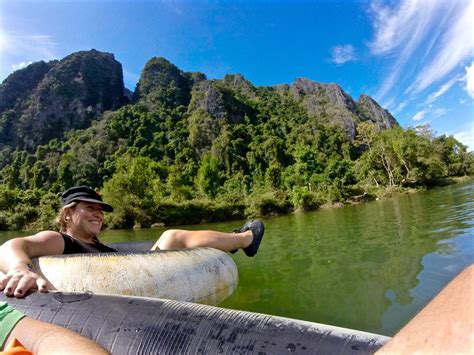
(201, 275)
(135, 325)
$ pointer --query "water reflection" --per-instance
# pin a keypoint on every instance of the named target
(369, 267)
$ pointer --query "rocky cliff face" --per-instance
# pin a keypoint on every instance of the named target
(207, 97)
(326, 93)
(328, 102)
(220, 98)
(239, 85)
(215, 104)
(369, 110)
(21, 83)
(44, 100)
(332, 105)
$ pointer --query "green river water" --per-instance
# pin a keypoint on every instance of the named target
(369, 267)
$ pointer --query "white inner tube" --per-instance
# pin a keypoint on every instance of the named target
(201, 275)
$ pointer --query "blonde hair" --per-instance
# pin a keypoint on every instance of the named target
(62, 219)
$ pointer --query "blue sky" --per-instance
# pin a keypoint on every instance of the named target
(415, 57)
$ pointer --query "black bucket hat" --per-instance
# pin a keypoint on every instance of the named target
(86, 194)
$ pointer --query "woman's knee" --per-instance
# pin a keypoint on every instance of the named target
(171, 238)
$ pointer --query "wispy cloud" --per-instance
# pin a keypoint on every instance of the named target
(401, 106)
(28, 46)
(20, 49)
(457, 45)
(424, 40)
(469, 79)
(438, 112)
(20, 65)
(173, 6)
(394, 27)
(445, 87)
(466, 136)
(342, 54)
(420, 115)
(432, 112)
(388, 103)
(389, 82)
(400, 31)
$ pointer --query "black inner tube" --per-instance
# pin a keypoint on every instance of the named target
(135, 325)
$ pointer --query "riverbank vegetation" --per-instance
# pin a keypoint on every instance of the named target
(190, 150)
(271, 174)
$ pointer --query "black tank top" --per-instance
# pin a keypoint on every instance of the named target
(74, 246)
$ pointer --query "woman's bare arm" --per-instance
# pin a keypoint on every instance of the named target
(17, 274)
(44, 338)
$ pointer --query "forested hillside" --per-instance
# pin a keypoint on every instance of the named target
(184, 149)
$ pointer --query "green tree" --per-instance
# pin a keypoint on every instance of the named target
(133, 190)
(454, 154)
(208, 177)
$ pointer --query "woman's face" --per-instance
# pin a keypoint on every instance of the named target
(86, 220)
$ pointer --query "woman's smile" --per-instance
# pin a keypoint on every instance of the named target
(87, 219)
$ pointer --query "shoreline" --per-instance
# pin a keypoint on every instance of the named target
(198, 211)
(394, 192)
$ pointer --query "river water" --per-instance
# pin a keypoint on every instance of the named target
(369, 267)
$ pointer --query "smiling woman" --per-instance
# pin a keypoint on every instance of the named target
(80, 221)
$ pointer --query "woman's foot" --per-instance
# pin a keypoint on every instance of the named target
(258, 229)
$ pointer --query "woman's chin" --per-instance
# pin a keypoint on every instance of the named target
(94, 230)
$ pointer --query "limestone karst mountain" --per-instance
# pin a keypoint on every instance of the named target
(44, 100)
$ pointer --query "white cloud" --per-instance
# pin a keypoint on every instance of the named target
(469, 79)
(438, 112)
(401, 106)
(457, 45)
(432, 97)
(432, 112)
(20, 49)
(342, 54)
(466, 136)
(389, 82)
(419, 115)
(35, 46)
(395, 27)
(401, 30)
(424, 40)
(388, 104)
(173, 6)
(20, 65)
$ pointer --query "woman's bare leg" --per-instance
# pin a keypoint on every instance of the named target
(178, 239)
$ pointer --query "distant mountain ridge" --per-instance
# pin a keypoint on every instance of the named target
(328, 102)
(44, 100)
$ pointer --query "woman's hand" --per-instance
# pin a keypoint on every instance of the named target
(17, 275)
(18, 282)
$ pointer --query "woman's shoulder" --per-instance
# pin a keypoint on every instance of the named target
(45, 243)
(48, 234)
